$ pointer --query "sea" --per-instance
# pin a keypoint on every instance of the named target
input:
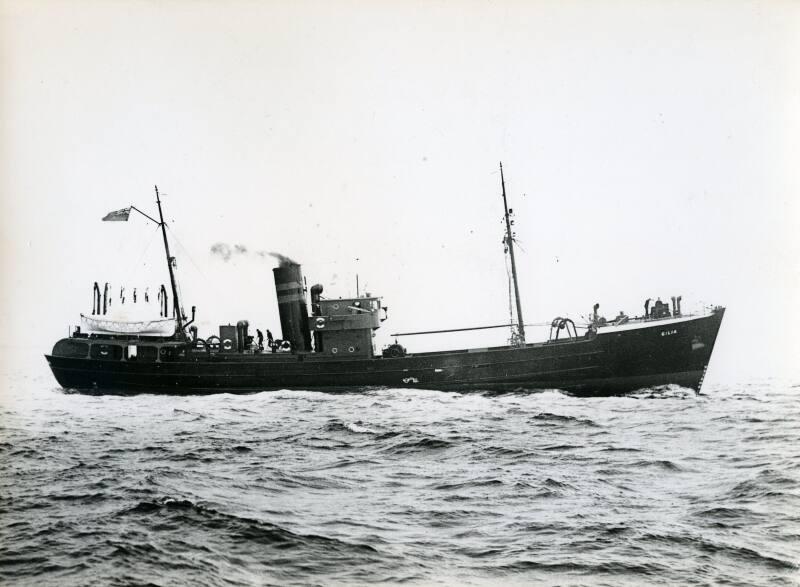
(399, 487)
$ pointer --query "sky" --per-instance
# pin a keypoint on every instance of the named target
(650, 149)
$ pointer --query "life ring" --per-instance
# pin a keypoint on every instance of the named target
(162, 351)
(320, 322)
(350, 350)
(212, 343)
(334, 350)
(394, 351)
(335, 306)
(227, 344)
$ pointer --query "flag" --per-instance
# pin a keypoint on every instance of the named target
(118, 215)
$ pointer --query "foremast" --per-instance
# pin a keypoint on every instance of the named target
(170, 266)
(509, 242)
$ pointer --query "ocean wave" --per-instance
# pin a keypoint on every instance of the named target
(733, 551)
(727, 513)
(586, 569)
(26, 453)
(767, 483)
(468, 484)
(85, 498)
(559, 447)
(346, 462)
(663, 464)
(503, 451)
(425, 444)
(188, 516)
(354, 427)
(561, 419)
(665, 392)
(552, 483)
(620, 449)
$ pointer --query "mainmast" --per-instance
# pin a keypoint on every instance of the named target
(171, 261)
(509, 241)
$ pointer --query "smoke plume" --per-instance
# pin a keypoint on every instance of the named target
(226, 252)
(222, 250)
(283, 259)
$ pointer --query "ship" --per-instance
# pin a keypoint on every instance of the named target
(331, 348)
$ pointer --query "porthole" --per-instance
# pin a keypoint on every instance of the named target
(106, 351)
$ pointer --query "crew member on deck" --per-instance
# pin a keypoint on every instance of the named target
(597, 318)
(260, 339)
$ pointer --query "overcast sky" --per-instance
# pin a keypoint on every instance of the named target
(650, 149)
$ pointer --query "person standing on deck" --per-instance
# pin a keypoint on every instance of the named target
(260, 336)
(270, 340)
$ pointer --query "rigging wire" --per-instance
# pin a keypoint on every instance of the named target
(209, 285)
(130, 268)
(186, 251)
(510, 301)
(144, 252)
(175, 268)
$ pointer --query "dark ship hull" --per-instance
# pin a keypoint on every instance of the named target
(613, 360)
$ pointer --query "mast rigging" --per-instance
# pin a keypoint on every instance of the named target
(509, 241)
(170, 261)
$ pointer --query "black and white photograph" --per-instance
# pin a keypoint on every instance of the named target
(443, 293)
